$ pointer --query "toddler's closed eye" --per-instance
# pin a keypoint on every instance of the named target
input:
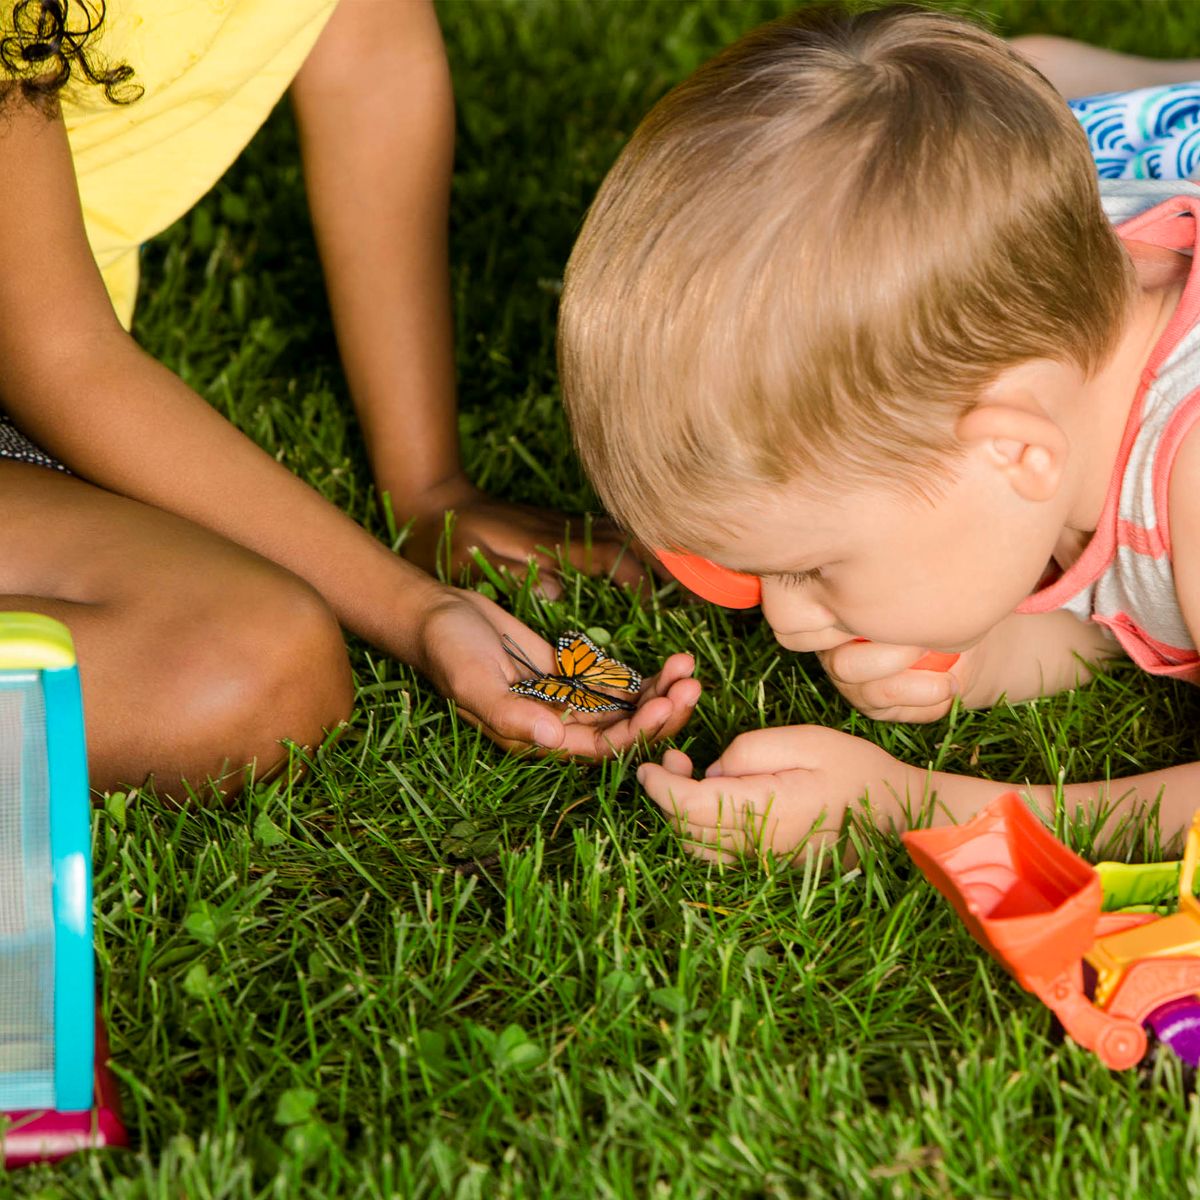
(799, 578)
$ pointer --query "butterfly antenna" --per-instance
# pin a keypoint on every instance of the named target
(517, 654)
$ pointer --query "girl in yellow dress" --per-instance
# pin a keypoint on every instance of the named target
(205, 584)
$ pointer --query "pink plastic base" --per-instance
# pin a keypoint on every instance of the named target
(47, 1136)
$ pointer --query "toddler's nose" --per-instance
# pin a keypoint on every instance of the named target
(795, 612)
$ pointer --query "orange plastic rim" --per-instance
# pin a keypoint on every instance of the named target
(934, 661)
(733, 589)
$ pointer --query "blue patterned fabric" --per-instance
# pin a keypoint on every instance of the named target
(1153, 133)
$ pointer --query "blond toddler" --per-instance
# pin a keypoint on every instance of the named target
(851, 314)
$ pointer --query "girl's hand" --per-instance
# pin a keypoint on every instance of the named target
(512, 536)
(880, 680)
(464, 657)
(779, 791)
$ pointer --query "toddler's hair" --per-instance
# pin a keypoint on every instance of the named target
(812, 257)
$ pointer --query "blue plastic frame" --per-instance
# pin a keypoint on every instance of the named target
(71, 862)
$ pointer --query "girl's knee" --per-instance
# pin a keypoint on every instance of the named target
(279, 669)
(247, 664)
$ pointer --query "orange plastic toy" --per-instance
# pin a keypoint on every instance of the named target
(1036, 908)
(733, 589)
(736, 589)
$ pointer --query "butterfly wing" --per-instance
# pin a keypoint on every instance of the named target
(585, 700)
(581, 660)
(563, 691)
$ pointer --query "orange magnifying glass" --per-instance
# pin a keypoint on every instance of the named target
(732, 589)
(736, 589)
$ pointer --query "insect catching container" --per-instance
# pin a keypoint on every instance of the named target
(48, 1083)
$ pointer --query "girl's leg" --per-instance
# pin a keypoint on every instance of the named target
(196, 656)
(1077, 69)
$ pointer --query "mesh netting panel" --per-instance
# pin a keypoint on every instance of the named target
(26, 916)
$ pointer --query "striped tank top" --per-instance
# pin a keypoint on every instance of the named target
(1124, 580)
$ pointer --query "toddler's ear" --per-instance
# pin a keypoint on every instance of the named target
(1021, 441)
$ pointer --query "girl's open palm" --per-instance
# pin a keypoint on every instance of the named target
(465, 658)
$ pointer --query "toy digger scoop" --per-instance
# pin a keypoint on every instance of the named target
(1027, 899)
(1036, 908)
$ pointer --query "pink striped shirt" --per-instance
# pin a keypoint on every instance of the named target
(1124, 580)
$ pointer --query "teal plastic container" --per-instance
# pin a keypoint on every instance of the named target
(47, 984)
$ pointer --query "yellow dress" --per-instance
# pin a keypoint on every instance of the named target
(212, 71)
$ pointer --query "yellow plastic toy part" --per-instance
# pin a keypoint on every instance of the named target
(1187, 873)
(1177, 935)
(34, 642)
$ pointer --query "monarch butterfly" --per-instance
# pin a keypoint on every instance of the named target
(582, 668)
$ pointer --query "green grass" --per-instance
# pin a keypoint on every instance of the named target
(428, 969)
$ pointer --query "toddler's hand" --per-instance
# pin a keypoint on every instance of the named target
(461, 652)
(782, 791)
(886, 684)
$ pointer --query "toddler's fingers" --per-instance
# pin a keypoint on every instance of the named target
(857, 661)
(678, 763)
(910, 690)
(752, 837)
(672, 788)
(720, 824)
(706, 803)
(674, 791)
(767, 751)
(729, 846)
(695, 844)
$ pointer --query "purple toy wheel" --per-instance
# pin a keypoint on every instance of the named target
(1177, 1025)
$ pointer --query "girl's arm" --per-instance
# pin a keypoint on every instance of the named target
(376, 115)
(73, 380)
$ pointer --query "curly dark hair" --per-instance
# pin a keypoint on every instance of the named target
(41, 44)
